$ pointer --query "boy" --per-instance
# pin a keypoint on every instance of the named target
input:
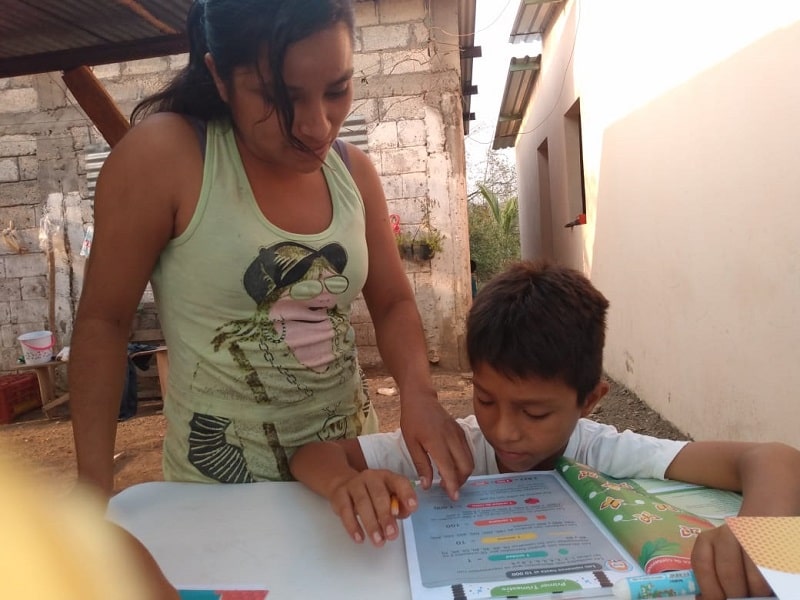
(535, 337)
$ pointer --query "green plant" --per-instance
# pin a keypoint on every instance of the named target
(431, 237)
(405, 242)
(403, 239)
(493, 232)
(427, 242)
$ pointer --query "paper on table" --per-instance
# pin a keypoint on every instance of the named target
(771, 543)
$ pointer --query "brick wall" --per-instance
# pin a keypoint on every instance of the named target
(408, 89)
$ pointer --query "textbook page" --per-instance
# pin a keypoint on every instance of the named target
(709, 503)
(510, 535)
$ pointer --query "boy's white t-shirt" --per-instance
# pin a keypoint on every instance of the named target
(596, 445)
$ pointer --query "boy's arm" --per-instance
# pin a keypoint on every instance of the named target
(323, 466)
(338, 472)
(768, 475)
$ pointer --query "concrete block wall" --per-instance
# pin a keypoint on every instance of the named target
(38, 137)
(43, 139)
(407, 87)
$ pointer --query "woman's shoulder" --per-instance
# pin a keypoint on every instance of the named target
(356, 160)
(160, 143)
(364, 174)
(164, 131)
(158, 158)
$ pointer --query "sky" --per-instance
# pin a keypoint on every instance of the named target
(493, 22)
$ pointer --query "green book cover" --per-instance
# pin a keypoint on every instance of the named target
(659, 535)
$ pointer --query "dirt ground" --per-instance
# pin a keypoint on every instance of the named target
(45, 445)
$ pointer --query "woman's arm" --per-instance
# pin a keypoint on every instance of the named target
(429, 431)
(142, 188)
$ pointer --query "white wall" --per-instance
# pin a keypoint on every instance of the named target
(691, 139)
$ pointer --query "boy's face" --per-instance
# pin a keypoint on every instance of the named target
(527, 421)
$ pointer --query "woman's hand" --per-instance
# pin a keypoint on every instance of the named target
(429, 432)
(432, 434)
(378, 498)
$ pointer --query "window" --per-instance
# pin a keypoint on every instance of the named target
(576, 190)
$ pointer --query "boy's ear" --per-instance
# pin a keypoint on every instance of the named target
(222, 90)
(600, 390)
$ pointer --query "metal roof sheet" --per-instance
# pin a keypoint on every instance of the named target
(522, 76)
(55, 35)
(532, 18)
(38, 36)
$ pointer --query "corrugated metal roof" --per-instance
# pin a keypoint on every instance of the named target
(522, 76)
(532, 19)
(56, 35)
(38, 36)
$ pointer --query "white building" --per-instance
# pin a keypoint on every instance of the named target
(674, 129)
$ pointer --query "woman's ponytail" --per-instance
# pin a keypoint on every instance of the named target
(192, 92)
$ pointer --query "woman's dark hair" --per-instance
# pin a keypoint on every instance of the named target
(236, 33)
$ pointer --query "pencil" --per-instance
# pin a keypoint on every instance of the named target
(395, 506)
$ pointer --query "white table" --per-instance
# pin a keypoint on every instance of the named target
(279, 535)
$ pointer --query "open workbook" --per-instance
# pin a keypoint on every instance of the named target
(543, 532)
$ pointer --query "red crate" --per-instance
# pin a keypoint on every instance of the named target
(18, 394)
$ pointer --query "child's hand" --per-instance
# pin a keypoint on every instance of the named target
(722, 568)
(367, 496)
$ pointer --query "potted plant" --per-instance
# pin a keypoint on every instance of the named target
(426, 243)
(405, 245)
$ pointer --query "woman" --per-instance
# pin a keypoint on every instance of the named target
(256, 239)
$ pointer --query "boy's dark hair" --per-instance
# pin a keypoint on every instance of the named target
(236, 33)
(539, 319)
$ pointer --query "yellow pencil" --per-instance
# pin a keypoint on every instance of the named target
(395, 506)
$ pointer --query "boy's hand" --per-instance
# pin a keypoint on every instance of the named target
(431, 433)
(367, 496)
(722, 568)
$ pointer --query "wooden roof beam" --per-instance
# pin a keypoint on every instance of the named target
(97, 103)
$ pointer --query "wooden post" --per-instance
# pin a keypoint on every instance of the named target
(98, 104)
(51, 292)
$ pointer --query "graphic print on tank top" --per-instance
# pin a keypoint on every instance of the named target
(295, 290)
